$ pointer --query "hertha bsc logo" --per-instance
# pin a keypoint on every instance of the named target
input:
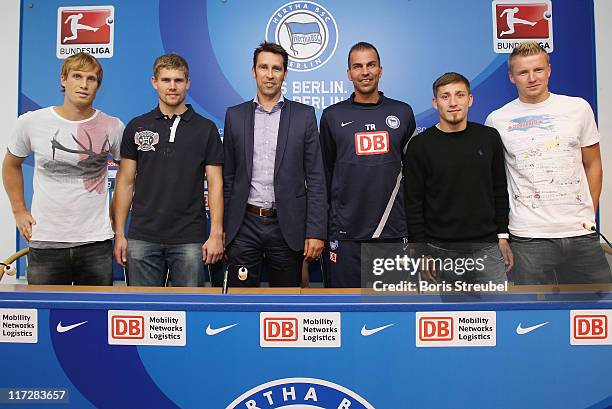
(307, 31)
(392, 122)
(300, 393)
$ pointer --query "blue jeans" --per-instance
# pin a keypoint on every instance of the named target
(569, 260)
(89, 264)
(480, 265)
(154, 264)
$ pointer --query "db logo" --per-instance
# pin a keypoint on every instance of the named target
(127, 327)
(436, 329)
(372, 143)
(280, 329)
(590, 326)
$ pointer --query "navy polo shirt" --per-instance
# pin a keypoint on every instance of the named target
(168, 203)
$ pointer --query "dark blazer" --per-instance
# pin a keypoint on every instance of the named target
(299, 179)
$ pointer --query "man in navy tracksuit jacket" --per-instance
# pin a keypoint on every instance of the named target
(363, 140)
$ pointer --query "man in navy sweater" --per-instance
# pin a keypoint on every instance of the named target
(456, 192)
(363, 140)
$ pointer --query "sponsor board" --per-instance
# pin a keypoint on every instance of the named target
(519, 21)
(456, 329)
(89, 29)
(162, 328)
(300, 393)
(19, 325)
(300, 329)
(113, 168)
(590, 327)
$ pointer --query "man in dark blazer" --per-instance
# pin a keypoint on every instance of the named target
(274, 182)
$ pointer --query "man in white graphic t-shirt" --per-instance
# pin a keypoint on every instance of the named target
(68, 229)
(554, 172)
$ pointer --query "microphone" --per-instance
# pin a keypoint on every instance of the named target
(243, 273)
(594, 229)
(225, 273)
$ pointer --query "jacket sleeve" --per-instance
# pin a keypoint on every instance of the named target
(229, 165)
(328, 150)
(316, 210)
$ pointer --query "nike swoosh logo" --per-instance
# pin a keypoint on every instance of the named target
(64, 328)
(215, 331)
(367, 332)
(343, 124)
(522, 331)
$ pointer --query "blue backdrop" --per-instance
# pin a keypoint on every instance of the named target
(417, 41)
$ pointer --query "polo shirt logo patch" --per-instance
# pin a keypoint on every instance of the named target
(145, 140)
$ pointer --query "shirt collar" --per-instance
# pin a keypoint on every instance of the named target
(381, 97)
(185, 116)
(279, 104)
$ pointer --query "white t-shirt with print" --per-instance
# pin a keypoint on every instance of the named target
(70, 202)
(547, 184)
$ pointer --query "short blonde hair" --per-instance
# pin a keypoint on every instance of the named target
(171, 61)
(525, 50)
(81, 62)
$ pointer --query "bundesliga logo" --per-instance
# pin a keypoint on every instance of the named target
(307, 31)
(518, 21)
(300, 393)
(87, 29)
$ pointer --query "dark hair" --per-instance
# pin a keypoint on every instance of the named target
(449, 78)
(271, 48)
(171, 61)
(362, 45)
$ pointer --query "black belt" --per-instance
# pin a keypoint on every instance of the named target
(261, 211)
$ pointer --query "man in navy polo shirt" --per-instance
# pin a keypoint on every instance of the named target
(166, 156)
